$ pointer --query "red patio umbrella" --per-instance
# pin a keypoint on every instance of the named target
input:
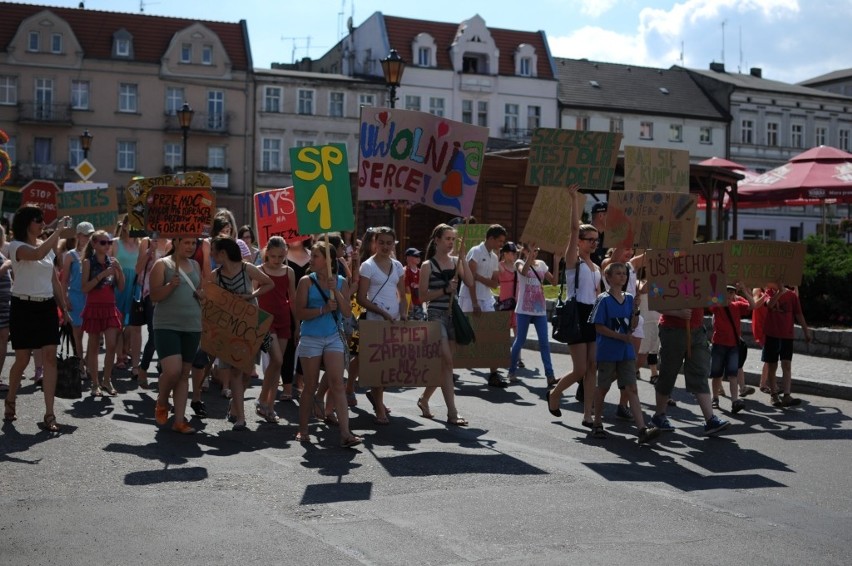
(733, 166)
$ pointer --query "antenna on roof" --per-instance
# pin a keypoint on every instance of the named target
(723, 40)
(740, 66)
(142, 5)
(681, 55)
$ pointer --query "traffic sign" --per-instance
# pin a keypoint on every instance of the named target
(42, 194)
(85, 169)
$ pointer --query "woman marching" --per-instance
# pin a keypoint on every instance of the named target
(72, 282)
(102, 276)
(322, 298)
(441, 271)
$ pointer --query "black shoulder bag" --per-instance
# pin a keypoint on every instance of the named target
(742, 348)
(565, 320)
(461, 324)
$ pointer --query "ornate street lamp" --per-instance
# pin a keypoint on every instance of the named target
(392, 67)
(185, 119)
(86, 142)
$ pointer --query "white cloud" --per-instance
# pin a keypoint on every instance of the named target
(596, 8)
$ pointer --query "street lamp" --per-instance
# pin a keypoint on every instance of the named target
(392, 67)
(185, 119)
(86, 142)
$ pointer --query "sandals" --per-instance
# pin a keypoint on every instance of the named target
(9, 411)
(369, 396)
(49, 424)
(331, 420)
(183, 428)
(141, 377)
(598, 432)
(351, 441)
(423, 405)
(351, 400)
(457, 421)
(97, 391)
(108, 387)
(303, 437)
(381, 421)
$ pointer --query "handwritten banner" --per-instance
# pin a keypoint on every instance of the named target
(654, 169)
(654, 220)
(757, 262)
(98, 206)
(549, 223)
(180, 212)
(561, 158)
(275, 215)
(473, 234)
(136, 194)
(323, 195)
(493, 342)
(418, 157)
(399, 354)
(232, 329)
(687, 279)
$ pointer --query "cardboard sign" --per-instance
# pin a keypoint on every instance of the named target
(98, 206)
(655, 220)
(323, 195)
(493, 342)
(549, 223)
(473, 234)
(654, 169)
(69, 187)
(174, 212)
(43, 195)
(757, 262)
(275, 215)
(687, 279)
(232, 329)
(418, 157)
(399, 354)
(560, 158)
(136, 194)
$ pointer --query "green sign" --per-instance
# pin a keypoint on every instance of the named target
(323, 194)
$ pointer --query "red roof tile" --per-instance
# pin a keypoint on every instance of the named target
(151, 34)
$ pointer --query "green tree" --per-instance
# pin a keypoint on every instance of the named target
(826, 292)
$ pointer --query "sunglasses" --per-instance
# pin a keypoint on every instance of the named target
(590, 239)
(103, 242)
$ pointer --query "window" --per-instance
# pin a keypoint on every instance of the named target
(305, 143)
(207, 55)
(436, 106)
(533, 117)
(80, 95)
(270, 155)
(525, 67)
(467, 111)
(272, 99)
(43, 151)
(581, 123)
(470, 64)
(747, 131)
(335, 104)
(33, 41)
(772, 133)
(44, 99)
(758, 234)
(797, 135)
(412, 102)
(216, 109)
(126, 156)
(510, 119)
(216, 157)
(616, 125)
(56, 43)
(482, 113)
(820, 135)
(10, 147)
(127, 97)
(122, 47)
(173, 156)
(366, 100)
(843, 139)
(306, 102)
(676, 132)
(174, 100)
(646, 130)
(186, 53)
(424, 56)
(75, 151)
(8, 90)
(705, 135)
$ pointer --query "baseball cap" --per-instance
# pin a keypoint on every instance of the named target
(85, 228)
(509, 247)
(731, 287)
(412, 252)
(599, 207)
(245, 251)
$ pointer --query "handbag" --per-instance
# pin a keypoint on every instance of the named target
(509, 303)
(565, 320)
(742, 347)
(69, 374)
(137, 307)
(461, 325)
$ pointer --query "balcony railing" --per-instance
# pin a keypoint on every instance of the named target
(56, 113)
(517, 134)
(26, 171)
(202, 122)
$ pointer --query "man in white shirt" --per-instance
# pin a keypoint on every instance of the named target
(485, 266)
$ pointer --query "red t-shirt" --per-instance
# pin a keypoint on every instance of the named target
(782, 315)
(723, 332)
(412, 283)
(677, 322)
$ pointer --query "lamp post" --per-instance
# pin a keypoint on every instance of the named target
(86, 142)
(392, 67)
(185, 119)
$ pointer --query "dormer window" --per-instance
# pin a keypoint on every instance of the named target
(525, 66)
(424, 57)
(122, 47)
(424, 49)
(186, 53)
(207, 55)
(122, 44)
(33, 41)
(525, 60)
(56, 43)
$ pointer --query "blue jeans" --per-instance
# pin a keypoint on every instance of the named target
(523, 325)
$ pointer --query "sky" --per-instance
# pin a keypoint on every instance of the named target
(791, 40)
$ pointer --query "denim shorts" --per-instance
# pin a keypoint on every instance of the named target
(315, 346)
(724, 361)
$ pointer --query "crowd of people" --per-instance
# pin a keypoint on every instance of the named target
(109, 285)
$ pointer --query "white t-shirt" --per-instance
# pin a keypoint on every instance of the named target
(486, 264)
(383, 289)
(588, 287)
(33, 278)
(530, 292)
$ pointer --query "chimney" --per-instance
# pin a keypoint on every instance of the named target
(717, 67)
(756, 72)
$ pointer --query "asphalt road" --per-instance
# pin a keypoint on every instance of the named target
(516, 487)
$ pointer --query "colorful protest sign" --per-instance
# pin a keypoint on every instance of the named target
(43, 195)
(654, 169)
(136, 194)
(549, 223)
(173, 212)
(561, 158)
(655, 220)
(98, 206)
(275, 215)
(687, 279)
(493, 342)
(232, 329)
(418, 157)
(323, 194)
(85, 186)
(754, 263)
(473, 235)
(399, 354)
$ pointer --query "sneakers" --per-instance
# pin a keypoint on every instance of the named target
(622, 413)
(183, 428)
(199, 409)
(715, 425)
(521, 364)
(737, 406)
(512, 378)
(788, 401)
(494, 380)
(647, 434)
(748, 390)
(161, 414)
(662, 422)
(39, 375)
(715, 403)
